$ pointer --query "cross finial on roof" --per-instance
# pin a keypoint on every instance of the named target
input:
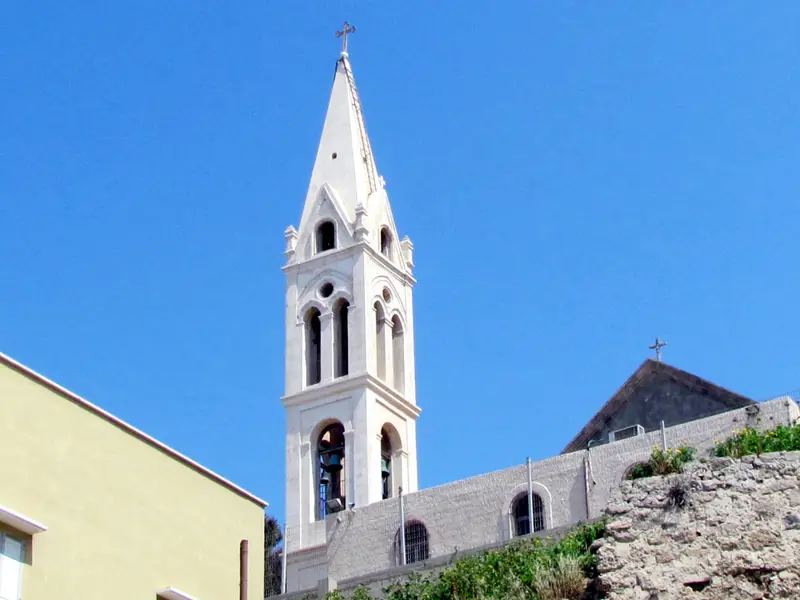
(657, 347)
(346, 30)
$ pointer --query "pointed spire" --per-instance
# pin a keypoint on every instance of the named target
(344, 158)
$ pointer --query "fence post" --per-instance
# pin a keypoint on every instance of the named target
(402, 527)
(663, 437)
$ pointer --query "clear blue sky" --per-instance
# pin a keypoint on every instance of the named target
(576, 178)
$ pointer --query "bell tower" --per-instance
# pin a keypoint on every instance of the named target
(350, 389)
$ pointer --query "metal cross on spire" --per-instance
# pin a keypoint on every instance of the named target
(346, 30)
(657, 347)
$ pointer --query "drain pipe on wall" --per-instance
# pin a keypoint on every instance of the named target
(283, 559)
(402, 527)
(243, 570)
(663, 437)
(588, 479)
(530, 495)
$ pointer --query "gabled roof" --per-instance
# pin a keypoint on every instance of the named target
(648, 370)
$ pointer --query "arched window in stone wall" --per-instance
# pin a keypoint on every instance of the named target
(326, 236)
(521, 520)
(386, 242)
(313, 350)
(398, 354)
(637, 470)
(417, 542)
(340, 337)
(330, 469)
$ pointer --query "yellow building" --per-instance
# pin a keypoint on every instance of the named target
(91, 507)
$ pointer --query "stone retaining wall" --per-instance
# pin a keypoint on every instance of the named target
(725, 529)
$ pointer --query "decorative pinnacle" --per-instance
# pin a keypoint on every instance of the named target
(347, 29)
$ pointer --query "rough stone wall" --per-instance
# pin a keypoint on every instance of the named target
(725, 529)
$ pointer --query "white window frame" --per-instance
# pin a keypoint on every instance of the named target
(171, 593)
(20, 522)
(7, 563)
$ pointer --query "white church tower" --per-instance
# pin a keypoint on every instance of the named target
(350, 389)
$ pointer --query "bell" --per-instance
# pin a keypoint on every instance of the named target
(334, 462)
(385, 471)
(324, 479)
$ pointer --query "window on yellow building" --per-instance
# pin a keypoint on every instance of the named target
(12, 553)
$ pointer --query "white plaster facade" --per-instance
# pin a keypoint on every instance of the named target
(366, 266)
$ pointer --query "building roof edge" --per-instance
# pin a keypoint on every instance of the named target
(130, 429)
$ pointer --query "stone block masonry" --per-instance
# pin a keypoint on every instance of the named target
(724, 529)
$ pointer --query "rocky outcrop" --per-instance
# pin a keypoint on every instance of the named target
(724, 529)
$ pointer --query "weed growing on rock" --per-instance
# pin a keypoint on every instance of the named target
(678, 493)
(749, 441)
(664, 462)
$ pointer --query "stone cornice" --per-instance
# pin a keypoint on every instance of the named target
(393, 397)
(349, 383)
(354, 249)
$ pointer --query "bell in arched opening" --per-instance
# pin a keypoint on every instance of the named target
(386, 465)
(330, 452)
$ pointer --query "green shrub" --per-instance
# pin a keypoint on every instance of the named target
(563, 578)
(750, 441)
(527, 569)
(664, 462)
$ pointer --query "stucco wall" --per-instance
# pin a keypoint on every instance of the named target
(124, 518)
(475, 511)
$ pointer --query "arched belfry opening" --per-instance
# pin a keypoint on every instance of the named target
(340, 338)
(331, 473)
(313, 350)
(386, 242)
(398, 354)
(522, 523)
(326, 236)
(386, 465)
(380, 340)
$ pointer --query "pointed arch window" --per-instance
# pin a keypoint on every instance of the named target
(521, 518)
(380, 340)
(342, 357)
(398, 354)
(331, 470)
(313, 348)
(386, 242)
(326, 236)
(386, 465)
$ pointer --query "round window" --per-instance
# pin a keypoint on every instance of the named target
(326, 290)
(387, 295)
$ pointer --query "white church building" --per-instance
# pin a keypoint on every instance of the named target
(351, 406)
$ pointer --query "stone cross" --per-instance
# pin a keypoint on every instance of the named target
(657, 347)
(347, 29)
